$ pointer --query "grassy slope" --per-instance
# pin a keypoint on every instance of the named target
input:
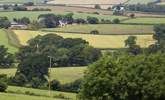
(11, 96)
(98, 41)
(146, 20)
(106, 28)
(22, 90)
(64, 75)
(4, 41)
(33, 15)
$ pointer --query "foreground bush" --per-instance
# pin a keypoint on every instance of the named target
(3, 82)
(3, 86)
(125, 78)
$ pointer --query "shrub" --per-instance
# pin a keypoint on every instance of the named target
(116, 21)
(55, 85)
(97, 6)
(92, 20)
(80, 21)
(94, 32)
(3, 86)
(72, 87)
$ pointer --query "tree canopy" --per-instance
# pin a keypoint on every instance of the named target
(125, 77)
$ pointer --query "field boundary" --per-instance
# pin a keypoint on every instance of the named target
(12, 38)
(70, 32)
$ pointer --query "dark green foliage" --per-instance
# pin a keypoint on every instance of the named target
(29, 4)
(94, 32)
(80, 21)
(6, 59)
(23, 20)
(116, 21)
(34, 62)
(19, 8)
(3, 86)
(55, 85)
(133, 48)
(19, 79)
(159, 36)
(3, 82)
(4, 22)
(92, 20)
(97, 6)
(72, 87)
(52, 20)
(125, 77)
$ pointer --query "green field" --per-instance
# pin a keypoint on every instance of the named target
(4, 40)
(140, 1)
(97, 41)
(33, 15)
(20, 93)
(106, 29)
(63, 74)
(146, 21)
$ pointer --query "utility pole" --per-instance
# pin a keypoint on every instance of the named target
(50, 66)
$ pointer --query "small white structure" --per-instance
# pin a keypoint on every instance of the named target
(119, 10)
(63, 23)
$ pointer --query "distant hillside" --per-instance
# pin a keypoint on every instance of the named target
(141, 1)
(88, 3)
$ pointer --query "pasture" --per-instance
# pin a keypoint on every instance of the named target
(4, 40)
(23, 90)
(97, 41)
(146, 20)
(106, 29)
(12, 96)
(62, 74)
(140, 1)
(33, 15)
(88, 3)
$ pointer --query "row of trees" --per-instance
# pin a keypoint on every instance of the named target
(34, 59)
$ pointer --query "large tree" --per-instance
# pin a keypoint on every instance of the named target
(34, 62)
(159, 36)
(125, 77)
(6, 58)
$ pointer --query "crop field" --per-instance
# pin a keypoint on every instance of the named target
(62, 74)
(140, 1)
(98, 41)
(4, 40)
(33, 15)
(106, 29)
(146, 21)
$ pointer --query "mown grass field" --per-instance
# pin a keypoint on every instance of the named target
(23, 90)
(106, 29)
(62, 74)
(98, 41)
(20, 93)
(12, 96)
(4, 40)
(33, 15)
(146, 20)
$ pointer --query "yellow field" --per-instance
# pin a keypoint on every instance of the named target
(98, 41)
